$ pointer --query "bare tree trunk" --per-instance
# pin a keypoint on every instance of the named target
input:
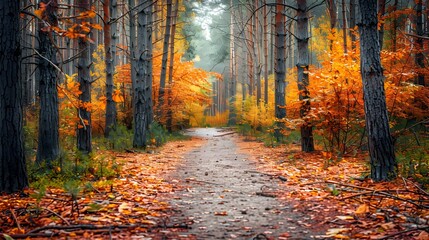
(84, 134)
(48, 148)
(13, 172)
(265, 31)
(419, 57)
(352, 23)
(143, 75)
(251, 59)
(343, 4)
(110, 13)
(169, 124)
(280, 69)
(381, 149)
(381, 12)
(307, 141)
(394, 27)
(257, 54)
(164, 61)
(332, 8)
(232, 74)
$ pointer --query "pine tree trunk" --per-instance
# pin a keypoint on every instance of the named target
(307, 142)
(110, 13)
(163, 77)
(257, 54)
(381, 149)
(352, 23)
(381, 12)
(48, 148)
(149, 62)
(143, 76)
(13, 172)
(280, 68)
(232, 74)
(332, 9)
(84, 134)
(343, 5)
(169, 123)
(419, 57)
(265, 51)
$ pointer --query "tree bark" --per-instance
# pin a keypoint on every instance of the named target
(163, 77)
(343, 5)
(352, 23)
(48, 148)
(381, 149)
(381, 12)
(307, 142)
(169, 123)
(265, 51)
(419, 57)
(332, 8)
(13, 173)
(280, 68)
(110, 14)
(257, 54)
(232, 117)
(84, 131)
(143, 75)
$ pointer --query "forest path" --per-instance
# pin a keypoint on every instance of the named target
(225, 197)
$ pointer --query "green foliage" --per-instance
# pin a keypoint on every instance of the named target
(120, 138)
(157, 134)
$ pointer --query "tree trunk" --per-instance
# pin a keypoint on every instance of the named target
(143, 76)
(169, 124)
(332, 8)
(48, 148)
(280, 68)
(383, 163)
(343, 5)
(265, 52)
(251, 59)
(110, 14)
(419, 57)
(381, 12)
(164, 61)
(257, 54)
(352, 23)
(395, 26)
(307, 142)
(84, 134)
(13, 172)
(232, 74)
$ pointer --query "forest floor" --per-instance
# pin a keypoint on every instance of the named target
(218, 185)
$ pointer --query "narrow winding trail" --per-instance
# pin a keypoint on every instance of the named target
(222, 195)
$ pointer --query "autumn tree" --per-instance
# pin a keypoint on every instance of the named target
(307, 141)
(48, 140)
(381, 149)
(84, 133)
(13, 173)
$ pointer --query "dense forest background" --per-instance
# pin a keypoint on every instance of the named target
(114, 74)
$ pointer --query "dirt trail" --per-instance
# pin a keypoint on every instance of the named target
(222, 195)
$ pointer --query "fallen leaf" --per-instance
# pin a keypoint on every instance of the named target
(224, 213)
(334, 231)
(364, 208)
(345, 217)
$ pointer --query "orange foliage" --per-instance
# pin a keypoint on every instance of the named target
(337, 109)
